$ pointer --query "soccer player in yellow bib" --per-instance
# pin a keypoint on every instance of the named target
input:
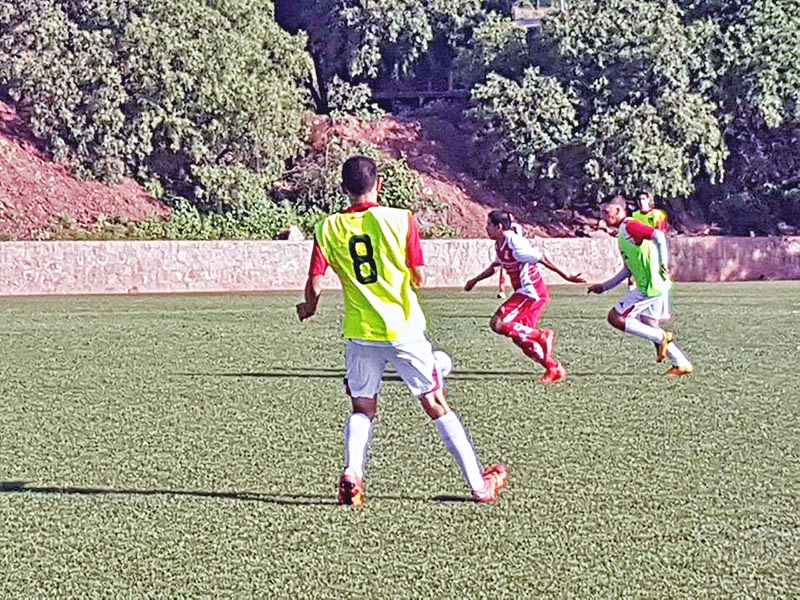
(643, 308)
(376, 253)
(648, 213)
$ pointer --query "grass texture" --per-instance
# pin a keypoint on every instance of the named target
(189, 446)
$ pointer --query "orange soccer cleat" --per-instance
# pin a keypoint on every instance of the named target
(680, 371)
(351, 489)
(495, 478)
(662, 347)
(557, 373)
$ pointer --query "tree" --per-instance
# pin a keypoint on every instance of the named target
(642, 114)
(523, 124)
(369, 40)
(205, 99)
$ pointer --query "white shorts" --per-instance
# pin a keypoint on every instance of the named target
(365, 362)
(635, 304)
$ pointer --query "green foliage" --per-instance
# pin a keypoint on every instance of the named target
(175, 90)
(346, 99)
(315, 182)
(498, 45)
(384, 38)
(522, 124)
(664, 146)
(627, 82)
(261, 221)
(762, 61)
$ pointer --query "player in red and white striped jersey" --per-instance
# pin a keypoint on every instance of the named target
(502, 282)
(518, 317)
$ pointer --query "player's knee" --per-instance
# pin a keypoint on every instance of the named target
(498, 325)
(365, 406)
(615, 319)
(435, 404)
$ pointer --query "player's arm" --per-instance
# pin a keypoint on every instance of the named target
(417, 277)
(661, 225)
(485, 274)
(414, 258)
(313, 288)
(577, 278)
(599, 288)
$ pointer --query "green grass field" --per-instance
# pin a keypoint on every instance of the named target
(189, 447)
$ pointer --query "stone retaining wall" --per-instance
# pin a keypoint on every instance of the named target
(38, 268)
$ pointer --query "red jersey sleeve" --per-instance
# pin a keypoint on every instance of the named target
(638, 231)
(319, 264)
(414, 256)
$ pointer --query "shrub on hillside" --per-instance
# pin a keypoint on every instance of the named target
(207, 98)
(315, 181)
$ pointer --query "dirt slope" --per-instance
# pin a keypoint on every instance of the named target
(36, 194)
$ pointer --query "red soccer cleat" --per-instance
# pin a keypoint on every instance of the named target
(351, 489)
(495, 478)
(557, 373)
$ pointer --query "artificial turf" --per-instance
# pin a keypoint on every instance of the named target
(189, 446)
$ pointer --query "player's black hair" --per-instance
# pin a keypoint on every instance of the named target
(500, 217)
(359, 174)
(645, 191)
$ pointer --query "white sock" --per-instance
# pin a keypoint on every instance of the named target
(639, 329)
(455, 438)
(676, 355)
(357, 432)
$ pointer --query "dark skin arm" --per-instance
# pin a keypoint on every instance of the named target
(485, 274)
(577, 278)
(313, 290)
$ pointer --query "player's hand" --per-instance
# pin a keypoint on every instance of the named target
(469, 285)
(597, 288)
(577, 278)
(305, 311)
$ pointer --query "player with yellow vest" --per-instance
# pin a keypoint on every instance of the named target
(644, 308)
(376, 253)
(648, 213)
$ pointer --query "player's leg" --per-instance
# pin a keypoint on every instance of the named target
(660, 348)
(640, 315)
(510, 320)
(415, 363)
(518, 319)
(681, 364)
(625, 317)
(364, 367)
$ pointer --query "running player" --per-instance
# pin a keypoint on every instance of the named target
(503, 280)
(376, 253)
(643, 309)
(517, 317)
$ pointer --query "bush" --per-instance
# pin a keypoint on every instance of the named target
(315, 182)
(522, 124)
(208, 98)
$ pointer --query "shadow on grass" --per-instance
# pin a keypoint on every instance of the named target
(327, 373)
(23, 487)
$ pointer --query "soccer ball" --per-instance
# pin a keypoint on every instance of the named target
(443, 361)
